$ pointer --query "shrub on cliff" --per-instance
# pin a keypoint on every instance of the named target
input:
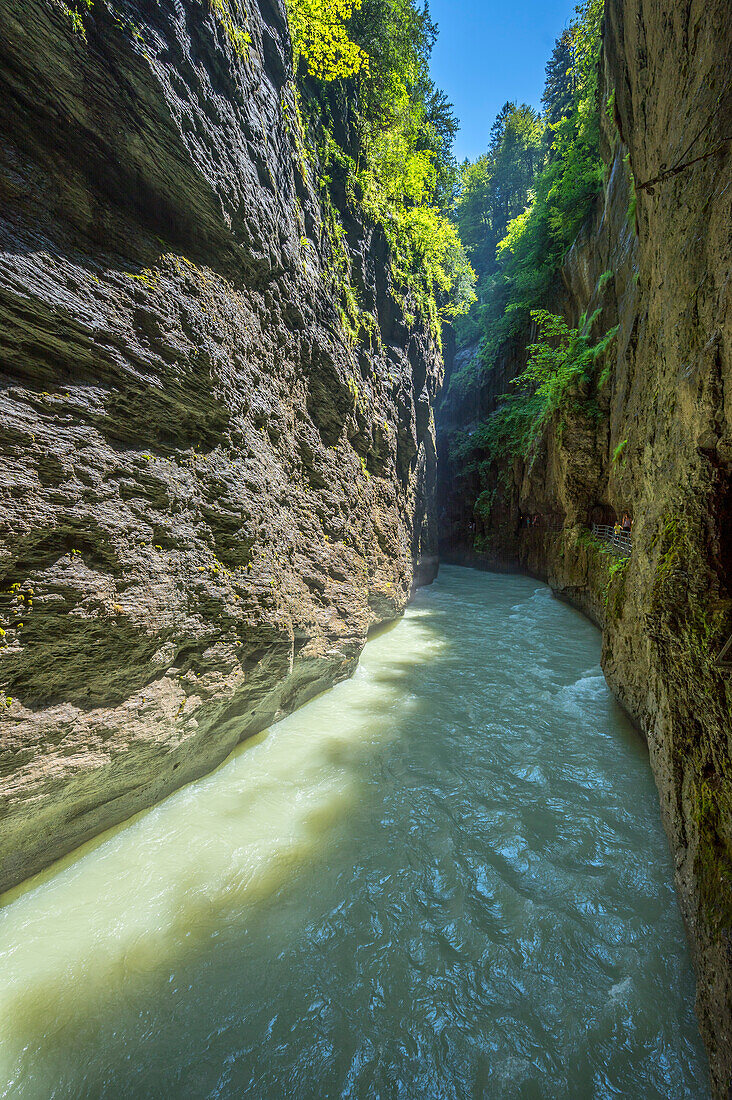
(563, 364)
(320, 38)
(363, 74)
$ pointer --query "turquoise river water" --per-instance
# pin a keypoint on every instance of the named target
(443, 879)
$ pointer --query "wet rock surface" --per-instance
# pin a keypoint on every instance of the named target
(210, 491)
(658, 443)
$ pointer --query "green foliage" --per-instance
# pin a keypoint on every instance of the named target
(231, 16)
(560, 357)
(519, 208)
(615, 592)
(557, 195)
(602, 349)
(483, 505)
(387, 131)
(430, 260)
(75, 10)
(509, 430)
(494, 189)
(619, 452)
(591, 542)
(712, 809)
(398, 99)
(563, 365)
(320, 37)
(406, 167)
(559, 82)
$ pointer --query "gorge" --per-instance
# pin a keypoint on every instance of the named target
(231, 285)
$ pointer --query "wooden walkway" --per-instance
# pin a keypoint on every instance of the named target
(621, 541)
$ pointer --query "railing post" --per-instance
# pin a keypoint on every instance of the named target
(621, 541)
(720, 661)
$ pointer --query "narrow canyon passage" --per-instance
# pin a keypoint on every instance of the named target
(445, 877)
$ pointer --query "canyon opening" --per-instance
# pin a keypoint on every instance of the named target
(366, 535)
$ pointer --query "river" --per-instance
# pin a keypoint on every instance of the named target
(445, 878)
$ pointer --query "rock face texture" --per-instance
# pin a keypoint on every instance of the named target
(656, 441)
(211, 490)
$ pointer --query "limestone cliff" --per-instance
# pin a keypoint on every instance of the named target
(656, 440)
(211, 486)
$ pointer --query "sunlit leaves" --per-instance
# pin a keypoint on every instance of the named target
(320, 38)
(370, 60)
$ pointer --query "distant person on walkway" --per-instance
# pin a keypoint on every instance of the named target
(617, 529)
(627, 524)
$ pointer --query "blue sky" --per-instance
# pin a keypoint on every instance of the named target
(490, 51)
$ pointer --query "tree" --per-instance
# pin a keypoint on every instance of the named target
(494, 189)
(520, 206)
(388, 132)
(560, 82)
(320, 38)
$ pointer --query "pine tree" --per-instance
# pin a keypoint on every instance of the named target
(559, 89)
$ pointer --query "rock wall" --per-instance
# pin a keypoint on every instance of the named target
(657, 441)
(211, 489)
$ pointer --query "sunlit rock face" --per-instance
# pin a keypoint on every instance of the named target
(210, 490)
(658, 443)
